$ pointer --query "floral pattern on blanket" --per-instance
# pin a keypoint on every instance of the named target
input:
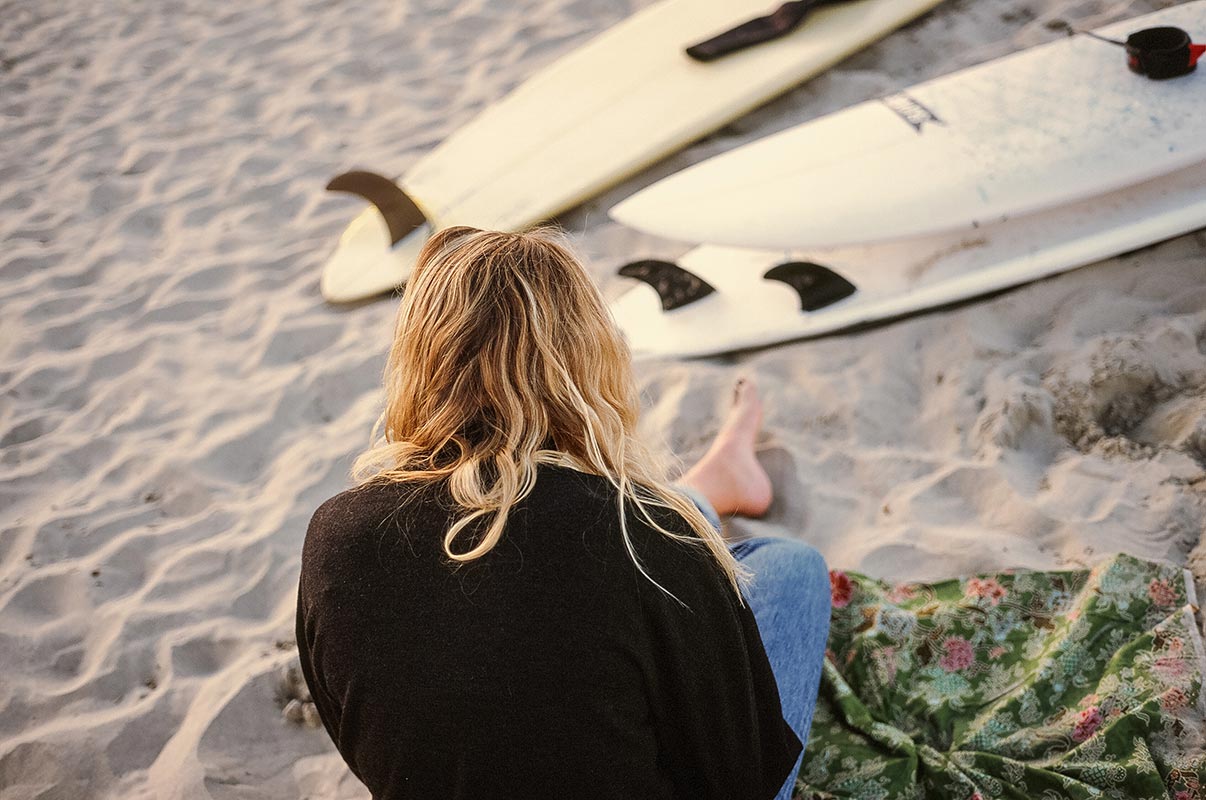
(1028, 685)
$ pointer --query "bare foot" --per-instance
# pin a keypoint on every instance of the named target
(728, 474)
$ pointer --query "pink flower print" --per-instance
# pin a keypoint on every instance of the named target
(841, 588)
(959, 654)
(1162, 593)
(1174, 700)
(987, 588)
(976, 796)
(1087, 723)
(1169, 667)
(997, 652)
(900, 593)
(1073, 615)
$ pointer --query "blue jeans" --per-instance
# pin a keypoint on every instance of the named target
(790, 598)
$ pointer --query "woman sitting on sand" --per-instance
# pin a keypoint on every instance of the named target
(517, 604)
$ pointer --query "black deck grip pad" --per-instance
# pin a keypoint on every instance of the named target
(674, 285)
(401, 214)
(817, 286)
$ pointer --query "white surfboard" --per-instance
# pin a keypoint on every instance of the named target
(1038, 129)
(622, 101)
(891, 279)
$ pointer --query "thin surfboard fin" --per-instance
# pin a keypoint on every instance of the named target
(817, 286)
(674, 285)
(401, 214)
(780, 22)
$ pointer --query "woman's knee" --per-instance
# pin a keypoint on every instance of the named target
(809, 558)
(788, 566)
(810, 567)
(799, 557)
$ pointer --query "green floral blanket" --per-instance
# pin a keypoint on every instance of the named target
(1029, 685)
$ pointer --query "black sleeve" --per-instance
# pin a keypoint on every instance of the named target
(719, 721)
(306, 631)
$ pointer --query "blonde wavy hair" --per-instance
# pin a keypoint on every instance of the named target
(506, 357)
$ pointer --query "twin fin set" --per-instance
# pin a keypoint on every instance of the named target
(817, 286)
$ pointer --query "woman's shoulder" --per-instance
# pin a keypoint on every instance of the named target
(353, 508)
(367, 499)
(354, 524)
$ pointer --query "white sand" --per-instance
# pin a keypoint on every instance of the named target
(176, 399)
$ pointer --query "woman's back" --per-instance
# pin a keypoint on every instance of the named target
(548, 667)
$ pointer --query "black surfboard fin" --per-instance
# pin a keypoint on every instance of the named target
(780, 22)
(674, 285)
(817, 286)
(401, 214)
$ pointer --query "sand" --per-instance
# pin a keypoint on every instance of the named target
(175, 399)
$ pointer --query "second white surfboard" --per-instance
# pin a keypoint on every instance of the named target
(892, 279)
(1043, 128)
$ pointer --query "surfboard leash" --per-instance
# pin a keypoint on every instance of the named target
(1158, 53)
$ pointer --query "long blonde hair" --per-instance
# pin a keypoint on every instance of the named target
(505, 357)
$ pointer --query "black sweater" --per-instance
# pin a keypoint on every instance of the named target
(548, 668)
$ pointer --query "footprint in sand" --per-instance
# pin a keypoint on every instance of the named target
(1134, 397)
